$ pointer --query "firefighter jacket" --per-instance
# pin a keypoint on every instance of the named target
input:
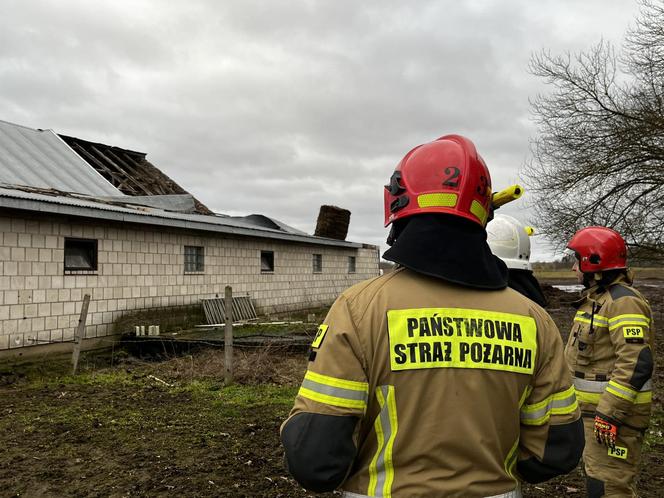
(444, 390)
(609, 353)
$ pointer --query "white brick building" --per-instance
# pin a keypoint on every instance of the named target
(55, 247)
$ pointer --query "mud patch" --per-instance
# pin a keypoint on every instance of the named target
(171, 428)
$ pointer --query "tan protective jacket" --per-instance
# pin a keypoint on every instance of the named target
(609, 353)
(451, 385)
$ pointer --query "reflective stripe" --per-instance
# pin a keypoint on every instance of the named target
(629, 319)
(584, 317)
(598, 386)
(511, 458)
(478, 210)
(590, 391)
(336, 392)
(437, 199)
(622, 391)
(510, 494)
(381, 469)
(561, 403)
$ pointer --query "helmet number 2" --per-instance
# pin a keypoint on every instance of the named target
(452, 179)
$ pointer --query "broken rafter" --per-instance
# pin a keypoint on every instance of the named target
(134, 169)
(101, 168)
(136, 187)
(154, 178)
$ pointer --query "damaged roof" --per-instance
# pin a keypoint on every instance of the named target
(39, 158)
(41, 171)
(67, 204)
(128, 171)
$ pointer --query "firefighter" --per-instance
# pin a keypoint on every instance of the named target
(435, 379)
(509, 239)
(610, 356)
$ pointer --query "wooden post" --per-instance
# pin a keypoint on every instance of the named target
(79, 333)
(228, 337)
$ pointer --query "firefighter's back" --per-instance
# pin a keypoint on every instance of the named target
(435, 380)
(448, 369)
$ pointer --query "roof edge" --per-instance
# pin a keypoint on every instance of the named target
(46, 207)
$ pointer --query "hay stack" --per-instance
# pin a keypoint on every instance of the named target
(332, 222)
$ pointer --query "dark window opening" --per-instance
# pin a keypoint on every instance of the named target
(267, 261)
(351, 264)
(318, 263)
(193, 258)
(80, 254)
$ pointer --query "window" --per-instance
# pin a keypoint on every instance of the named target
(351, 264)
(318, 263)
(193, 259)
(80, 254)
(267, 261)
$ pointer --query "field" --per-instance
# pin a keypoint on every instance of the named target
(129, 427)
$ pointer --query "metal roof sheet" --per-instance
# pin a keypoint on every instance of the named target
(39, 158)
(96, 208)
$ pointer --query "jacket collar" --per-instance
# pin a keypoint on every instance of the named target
(449, 248)
(597, 291)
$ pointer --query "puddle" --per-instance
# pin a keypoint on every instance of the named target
(579, 287)
(569, 288)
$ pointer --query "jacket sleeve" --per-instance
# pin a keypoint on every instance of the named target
(319, 435)
(552, 440)
(630, 330)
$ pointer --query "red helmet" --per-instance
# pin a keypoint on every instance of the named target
(599, 249)
(444, 176)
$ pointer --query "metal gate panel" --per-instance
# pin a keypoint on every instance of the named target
(215, 309)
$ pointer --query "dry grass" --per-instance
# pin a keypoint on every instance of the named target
(265, 365)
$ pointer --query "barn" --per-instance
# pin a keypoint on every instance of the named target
(79, 217)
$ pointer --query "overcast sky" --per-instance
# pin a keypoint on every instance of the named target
(276, 107)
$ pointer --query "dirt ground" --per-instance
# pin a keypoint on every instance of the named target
(126, 427)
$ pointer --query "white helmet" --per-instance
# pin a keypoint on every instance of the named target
(508, 239)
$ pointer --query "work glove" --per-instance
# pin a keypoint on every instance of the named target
(605, 432)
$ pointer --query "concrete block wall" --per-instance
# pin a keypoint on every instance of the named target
(143, 267)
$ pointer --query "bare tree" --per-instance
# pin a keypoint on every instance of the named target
(598, 158)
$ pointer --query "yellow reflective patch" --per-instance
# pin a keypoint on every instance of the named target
(461, 338)
(478, 210)
(438, 199)
(320, 335)
(618, 452)
(632, 332)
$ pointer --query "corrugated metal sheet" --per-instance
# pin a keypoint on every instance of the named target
(41, 159)
(90, 208)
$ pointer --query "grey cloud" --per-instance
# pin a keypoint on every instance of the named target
(277, 107)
